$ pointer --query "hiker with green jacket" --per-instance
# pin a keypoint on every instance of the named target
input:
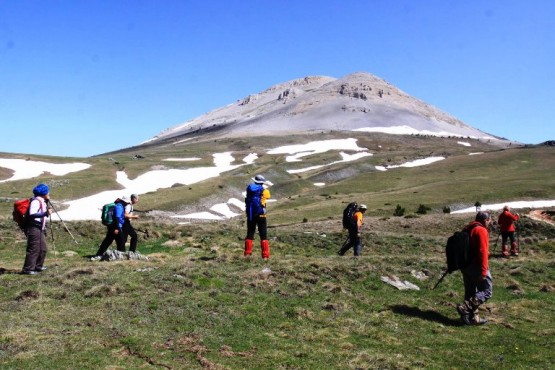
(478, 283)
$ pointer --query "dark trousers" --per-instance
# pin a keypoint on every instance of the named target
(253, 223)
(480, 290)
(36, 249)
(129, 231)
(108, 239)
(354, 241)
(507, 235)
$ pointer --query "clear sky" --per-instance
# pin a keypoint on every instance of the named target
(84, 77)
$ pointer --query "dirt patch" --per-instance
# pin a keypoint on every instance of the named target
(27, 295)
(542, 215)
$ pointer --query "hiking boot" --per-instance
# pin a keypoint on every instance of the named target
(477, 320)
(41, 269)
(29, 272)
(514, 252)
(505, 251)
(464, 313)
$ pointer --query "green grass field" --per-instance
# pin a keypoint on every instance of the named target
(198, 304)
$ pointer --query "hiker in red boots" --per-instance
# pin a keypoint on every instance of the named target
(506, 223)
(255, 207)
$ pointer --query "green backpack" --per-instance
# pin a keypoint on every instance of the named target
(107, 215)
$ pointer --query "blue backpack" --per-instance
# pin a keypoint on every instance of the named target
(253, 201)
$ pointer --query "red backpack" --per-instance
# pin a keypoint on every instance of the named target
(20, 212)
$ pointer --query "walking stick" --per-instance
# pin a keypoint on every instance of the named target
(53, 242)
(496, 240)
(441, 279)
(63, 223)
(517, 230)
(343, 245)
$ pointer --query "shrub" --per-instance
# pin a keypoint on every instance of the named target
(422, 209)
(399, 211)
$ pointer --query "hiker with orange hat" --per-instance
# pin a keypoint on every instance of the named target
(255, 208)
(506, 222)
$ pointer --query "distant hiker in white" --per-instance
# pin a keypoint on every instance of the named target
(36, 231)
(128, 230)
(255, 207)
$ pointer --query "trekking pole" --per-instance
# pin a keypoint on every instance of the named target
(441, 279)
(53, 242)
(63, 223)
(518, 234)
(144, 232)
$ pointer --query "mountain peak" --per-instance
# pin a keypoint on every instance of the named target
(359, 101)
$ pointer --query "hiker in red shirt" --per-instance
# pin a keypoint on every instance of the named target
(478, 283)
(506, 222)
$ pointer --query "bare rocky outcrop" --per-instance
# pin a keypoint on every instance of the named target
(359, 101)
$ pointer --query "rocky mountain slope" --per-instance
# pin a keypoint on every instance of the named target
(356, 102)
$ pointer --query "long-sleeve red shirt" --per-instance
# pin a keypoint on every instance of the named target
(506, 221)
(479, 245)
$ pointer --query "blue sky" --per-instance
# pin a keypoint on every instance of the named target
(79, 78)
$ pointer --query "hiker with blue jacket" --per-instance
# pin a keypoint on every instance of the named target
(36, 230)
(115, 230)
(478, 283)
(255, 208)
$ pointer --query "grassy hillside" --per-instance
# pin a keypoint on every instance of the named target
(197, 304)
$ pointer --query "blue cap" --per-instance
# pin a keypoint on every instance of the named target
(41, 189)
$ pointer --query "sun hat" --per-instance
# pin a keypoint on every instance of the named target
(362, 206)
(259, 179)
(134, 196)
(41, 189)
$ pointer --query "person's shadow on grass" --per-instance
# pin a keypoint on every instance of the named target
(425, 315)
(9, 271)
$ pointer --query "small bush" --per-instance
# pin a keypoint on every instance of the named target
(399, 211)
(422, 209)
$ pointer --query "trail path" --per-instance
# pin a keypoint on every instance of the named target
(541, 215)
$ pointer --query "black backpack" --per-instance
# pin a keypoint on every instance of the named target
(348, 213)
(457, 250)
